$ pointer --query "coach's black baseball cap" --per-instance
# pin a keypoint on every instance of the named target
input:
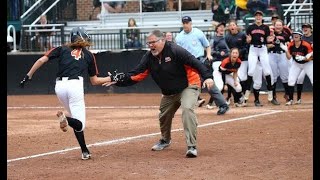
(186, 19)
(258, 12)
(306, 25)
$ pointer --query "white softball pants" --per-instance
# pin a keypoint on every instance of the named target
(262, 53)
(279, 66)
(71, 95)
(297, 68)
(243, 71)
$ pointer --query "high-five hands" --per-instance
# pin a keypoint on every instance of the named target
(114, 78)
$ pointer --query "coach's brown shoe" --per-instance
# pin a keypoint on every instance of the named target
(63, 121)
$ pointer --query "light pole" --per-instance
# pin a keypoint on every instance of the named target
(10, 39)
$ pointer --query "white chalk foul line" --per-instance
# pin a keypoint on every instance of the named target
(90, 107)
(128, 139)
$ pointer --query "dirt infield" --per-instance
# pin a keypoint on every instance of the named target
(271, 142)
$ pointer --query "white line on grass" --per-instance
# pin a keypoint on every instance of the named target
(128, 139)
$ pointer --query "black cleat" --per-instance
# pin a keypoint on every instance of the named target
(223, 109)
(257, 103)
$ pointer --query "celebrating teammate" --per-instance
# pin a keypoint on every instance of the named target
(277, 58)
(228, 72)
(307, 36)
(177, 73)
(237, 39)
(73, 60)
(302, 54)
(257, 34)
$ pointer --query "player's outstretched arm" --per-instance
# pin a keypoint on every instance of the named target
(95, 80)
(33, 69)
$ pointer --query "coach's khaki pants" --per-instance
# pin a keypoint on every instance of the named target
(168, 107)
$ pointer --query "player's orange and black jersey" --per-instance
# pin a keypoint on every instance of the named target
(228, 66)
(259, 34)
(279, 38)
(304, 49)
(173, 71)
(73, 62)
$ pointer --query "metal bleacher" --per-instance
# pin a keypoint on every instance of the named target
(108, 33)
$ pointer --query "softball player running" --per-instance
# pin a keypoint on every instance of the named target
(257, 34)
(277, 57)
(301, 52)
(73, 60)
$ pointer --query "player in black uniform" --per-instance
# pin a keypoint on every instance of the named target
(257, 34)
(73, 59)
(277, 57)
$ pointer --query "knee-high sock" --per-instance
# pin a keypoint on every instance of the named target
(244, 85)
(249, 82)
(274, 90)
(269, 85)
(81, 141)
(74, 123)
(229, 91)
(299, 90)
(256, 94)
(291, 91)
(285, 85)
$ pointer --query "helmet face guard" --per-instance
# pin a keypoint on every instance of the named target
(79, 32)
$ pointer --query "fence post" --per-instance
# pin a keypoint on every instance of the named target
(121, 39)
(62, 35)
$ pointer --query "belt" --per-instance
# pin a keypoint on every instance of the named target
(258, 46)
(278, 52)
(69, 78)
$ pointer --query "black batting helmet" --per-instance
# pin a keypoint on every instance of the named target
(79, 32)
(298, 31)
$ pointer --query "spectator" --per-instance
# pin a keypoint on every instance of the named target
(133, 35)
(194, 41)
(223, 10)
(169, 37)
(44, 37)
(154, 5)
(111, 7)
(255, 5)
(241, 8)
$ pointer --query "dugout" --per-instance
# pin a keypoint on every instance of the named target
(43, 81)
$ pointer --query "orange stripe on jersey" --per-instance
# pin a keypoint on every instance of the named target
(141, 76)
(95, 63)
(192, 76)
(224, 62)
(48, 52)
(308, 45)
